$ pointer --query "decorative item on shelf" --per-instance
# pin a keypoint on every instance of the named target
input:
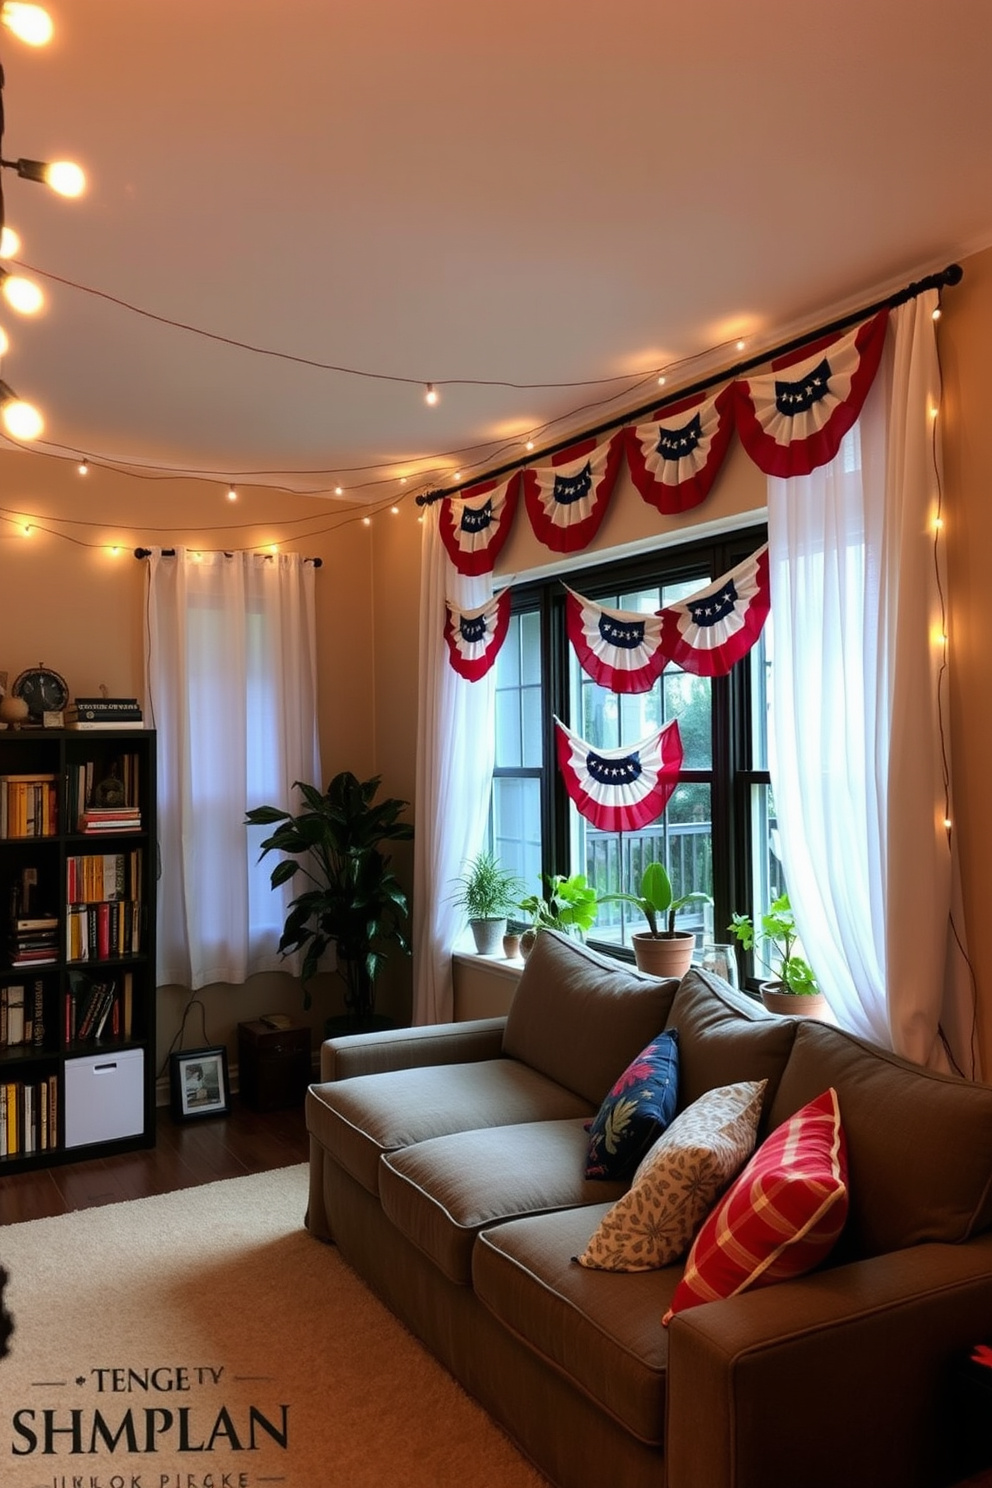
(721, 960)
(42, 689)
(794, 989)
(569, 903)
(665, 952)
(486, 892)
(515, 929)
(357, 902)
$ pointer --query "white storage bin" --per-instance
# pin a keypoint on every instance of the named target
(104, 1097)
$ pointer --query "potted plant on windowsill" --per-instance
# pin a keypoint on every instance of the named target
(793, 988)
(355, 900)
(487, 892)
(569, 903)
(661, 949)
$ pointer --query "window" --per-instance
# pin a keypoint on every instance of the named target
(717, 834)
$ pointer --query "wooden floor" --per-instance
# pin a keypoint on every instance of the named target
(185, 1154)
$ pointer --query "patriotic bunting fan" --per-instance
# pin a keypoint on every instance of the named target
(674, 458)
(792, 419)
(475, 525)
(474, 637)
(620, 649)
(567, 498)
(620, 790)
(712, 629)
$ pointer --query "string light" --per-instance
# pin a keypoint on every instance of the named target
(339, 490)
(63, 176)
(10, 243)
(83, 467)
(21, 420)
(21, 294)
(366, 521)
(662, 380)
(395, 510)
(232, 494)
(431, 394)
(741, 344)
(29, 23)
(4, 342)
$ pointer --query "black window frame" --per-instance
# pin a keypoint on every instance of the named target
(734, 770)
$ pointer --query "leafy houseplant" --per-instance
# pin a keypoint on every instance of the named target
(792, 973)
(662, 949)
(356, 901)
(487, 892)
(569, 903)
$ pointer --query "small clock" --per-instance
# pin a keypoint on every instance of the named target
(43, 690)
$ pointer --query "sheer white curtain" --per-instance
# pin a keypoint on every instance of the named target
(231, 687)
(858, 744)
(455, 756)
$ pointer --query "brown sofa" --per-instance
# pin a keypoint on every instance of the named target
(447, 1163)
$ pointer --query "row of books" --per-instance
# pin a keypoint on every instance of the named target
(28, 806)
(98, 1009)
(33, 942)
(28, 1116)
(91, 877)
(97, 932)
(22, 1021)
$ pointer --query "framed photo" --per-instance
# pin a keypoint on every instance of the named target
(198, 1083)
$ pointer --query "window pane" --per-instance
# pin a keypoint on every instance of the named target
(761, 695)
(688, 698)
(517, 828)
(530, 648)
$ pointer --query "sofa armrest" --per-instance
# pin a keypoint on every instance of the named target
(842, 1376)
(409, 1048)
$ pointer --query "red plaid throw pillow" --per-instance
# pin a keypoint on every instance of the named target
(780, 1217)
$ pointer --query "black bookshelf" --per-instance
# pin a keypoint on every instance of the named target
(77, 944)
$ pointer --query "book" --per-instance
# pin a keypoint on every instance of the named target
(104, 705)
(86, 723)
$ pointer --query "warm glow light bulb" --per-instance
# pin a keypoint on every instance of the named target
(22, 294)
(10, 243)
(83, 468)
(395, 510)
(431, 394)
(232, 494)
(29, 23)
(21, 420)
(339, 490)
(65, 177)
(4, 342)
(661, 381)
(741, 344)
(366, 521)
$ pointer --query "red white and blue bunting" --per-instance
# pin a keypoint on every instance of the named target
(712, 629)
(792, 425)
(620, 790)
(674, 456)
(475, 525)
(567, 498)
(474, 637)
(619, 649)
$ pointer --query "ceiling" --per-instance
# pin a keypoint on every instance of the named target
(536, 206)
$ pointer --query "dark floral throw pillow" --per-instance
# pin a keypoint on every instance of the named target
(636, 1111)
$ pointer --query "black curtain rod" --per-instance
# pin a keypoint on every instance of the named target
(952, 275)
(171, 553)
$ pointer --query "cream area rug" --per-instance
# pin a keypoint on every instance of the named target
(203, 1339)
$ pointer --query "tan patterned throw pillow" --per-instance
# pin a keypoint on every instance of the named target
(678, 1182)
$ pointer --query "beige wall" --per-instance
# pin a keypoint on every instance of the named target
(72, 605)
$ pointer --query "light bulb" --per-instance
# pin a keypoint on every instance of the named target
(21, 294)
(339, 490)
(741, 344)
(83, 468)
(21, 420)
(4, 342)
(530, 444)
(661, 381)
(10, 243)
(366, 521)
(431, 394)
(395, 510)
(65, 177)
(29, 23)
(232, 494)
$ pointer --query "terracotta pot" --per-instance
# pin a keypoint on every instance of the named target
(527, 942)
(488, 935)
(664, 955)
(778, 1000)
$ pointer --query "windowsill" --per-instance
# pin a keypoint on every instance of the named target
(502, 966)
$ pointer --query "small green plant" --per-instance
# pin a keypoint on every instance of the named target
(486, 890)
(778, 927)
(657, 902)
(568, 903)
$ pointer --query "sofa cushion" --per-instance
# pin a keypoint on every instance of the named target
(780, 1218)
(919, 1142)
(442, 1192)
(726, 1037)
(598, 1328)
(579, 1017)
(359, 1119)
(678, 1182)
(638, 1108)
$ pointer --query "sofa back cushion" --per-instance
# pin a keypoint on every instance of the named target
(919, 1143)
(580, 1018)
(726, 1037)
